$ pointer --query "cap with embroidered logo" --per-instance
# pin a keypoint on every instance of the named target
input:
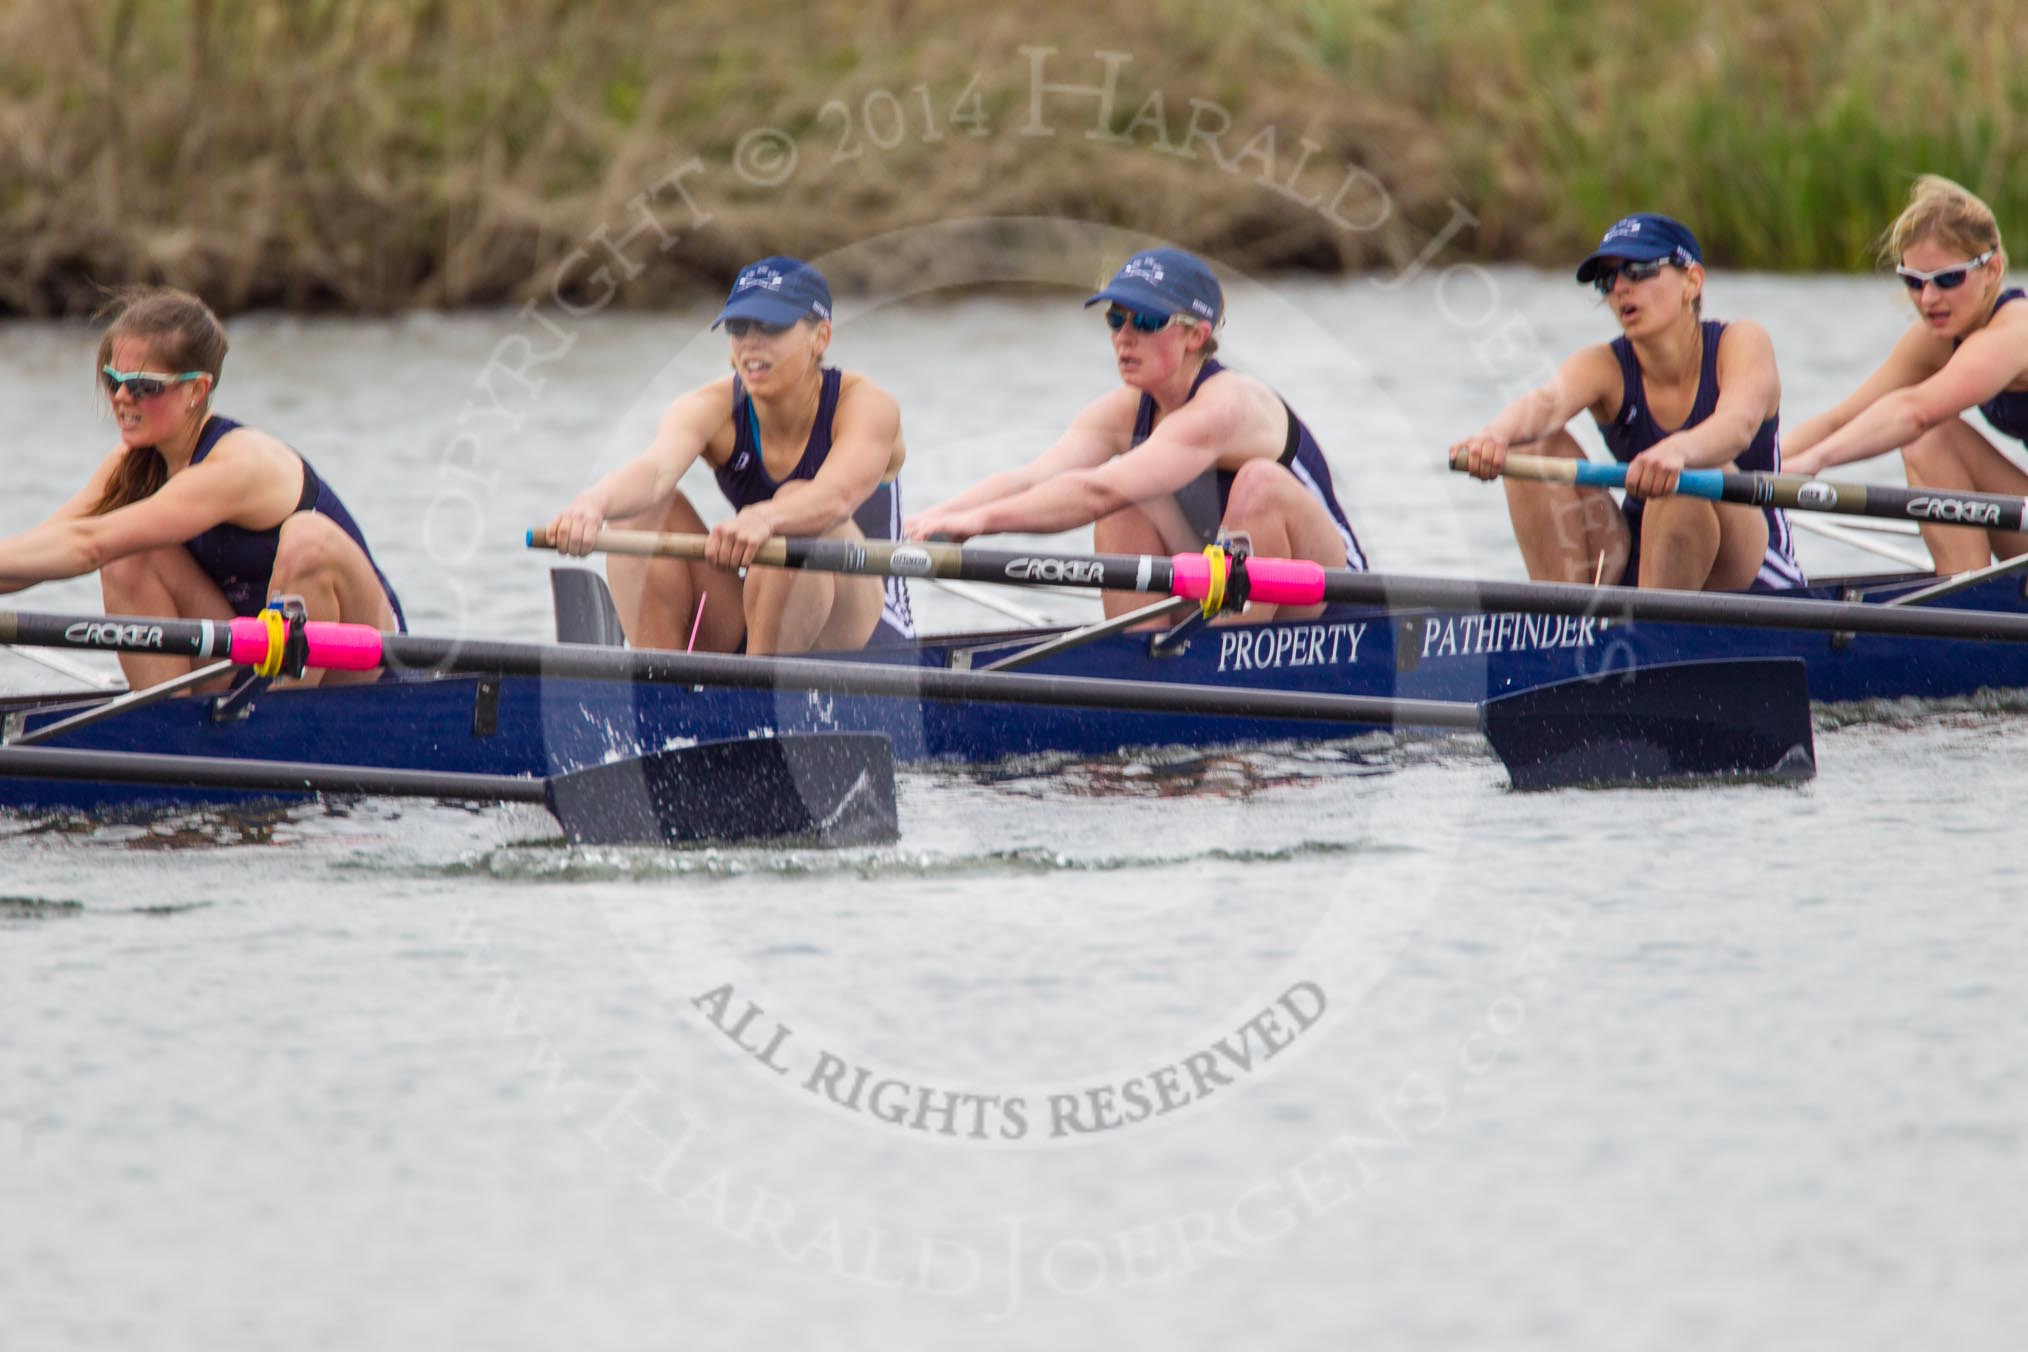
(1638, 238)
(1166, 282)
(778, 290)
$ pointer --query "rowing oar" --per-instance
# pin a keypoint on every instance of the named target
(1944, 506)
(822, 788)
(1298, 582)
(1687, 720)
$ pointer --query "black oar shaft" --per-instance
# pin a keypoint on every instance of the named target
(911, 682)
(1129, 572)
(1796, 492)
(218, 772)
(1628, 604)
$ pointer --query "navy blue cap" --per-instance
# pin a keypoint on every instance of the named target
(1640, 237)
(1166, 282)
(777, 290)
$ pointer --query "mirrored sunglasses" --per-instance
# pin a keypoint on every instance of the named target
(143, 384)
(1944, 279)
(740, 328)
(1118, 315)
(1634, 272)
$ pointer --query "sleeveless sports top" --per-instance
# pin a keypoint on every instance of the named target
(240, 560)
(1635, 430)
(2007, 410)
(1203, 499)
(744, 480)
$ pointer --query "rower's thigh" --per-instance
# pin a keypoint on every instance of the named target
(313, 546)
(1742, 547)
(687, 594)
(1268, 488)
(1954, 454)
(855, 603)
(163, 581)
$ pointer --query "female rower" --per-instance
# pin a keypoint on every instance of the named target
(1674, 391)
(799, 448)
(196, 516)
(1184, 451)
(1967, 347)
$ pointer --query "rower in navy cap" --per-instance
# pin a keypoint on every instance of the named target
(798, 448)
(1673, 391)
(1184, 451)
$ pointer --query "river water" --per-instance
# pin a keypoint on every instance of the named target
(1286, 1048)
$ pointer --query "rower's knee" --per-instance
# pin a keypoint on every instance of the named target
(1258, 484)
(310, 546)
(127, 576)
(1931, 457)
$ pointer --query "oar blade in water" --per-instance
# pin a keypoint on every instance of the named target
(1728, 719)
(820, 788)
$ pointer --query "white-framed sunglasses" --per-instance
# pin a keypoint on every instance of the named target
(1944, 279)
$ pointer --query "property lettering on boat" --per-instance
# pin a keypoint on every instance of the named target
(1950, 509)
(107, 634)
(1467, 635)
(1077, 572)
(1289, 645)
(1109, 1107)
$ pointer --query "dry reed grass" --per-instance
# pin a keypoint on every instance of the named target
(380, 154)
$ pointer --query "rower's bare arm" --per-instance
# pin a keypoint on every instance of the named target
(1183, 445)
(865, 435)
(1816, 444)
(650, 478)
(1749, 393)
(1584, 381)
(72, 543)
(1101, 431)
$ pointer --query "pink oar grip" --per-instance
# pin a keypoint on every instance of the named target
(343, 647)
(339, 647)
(1285, 582)
(1192, 576)
(1281, 582)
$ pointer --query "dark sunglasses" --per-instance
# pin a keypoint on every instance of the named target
(1118, 315)
(143, 384)
(740, 328)
(1634, 272)
(1943, 279)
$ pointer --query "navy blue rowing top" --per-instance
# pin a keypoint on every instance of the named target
(1203, 499)
(240, 560)
(2008, 410)
(1634, 430)
(744, 479)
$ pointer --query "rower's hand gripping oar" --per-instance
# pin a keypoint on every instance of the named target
(1943, 506)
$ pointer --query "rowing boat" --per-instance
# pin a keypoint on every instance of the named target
(538, 723)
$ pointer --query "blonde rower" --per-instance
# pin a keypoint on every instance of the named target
(1968, 347)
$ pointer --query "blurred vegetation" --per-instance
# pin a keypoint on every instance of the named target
(381, 154)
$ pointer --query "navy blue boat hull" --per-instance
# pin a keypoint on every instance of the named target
(522, 725)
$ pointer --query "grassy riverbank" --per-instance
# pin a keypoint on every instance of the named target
(377, 154)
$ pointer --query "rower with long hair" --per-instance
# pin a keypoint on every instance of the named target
(798, 448)
(1184, 450)
(196, 516)
(1967, 348)
(1674, 391)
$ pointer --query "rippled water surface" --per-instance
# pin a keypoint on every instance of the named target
(1296, 1047)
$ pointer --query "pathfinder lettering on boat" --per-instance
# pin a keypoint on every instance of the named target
(1294, 645)
(1469, 634)
(1083, 572)
(1949, 509)
(108, 635)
